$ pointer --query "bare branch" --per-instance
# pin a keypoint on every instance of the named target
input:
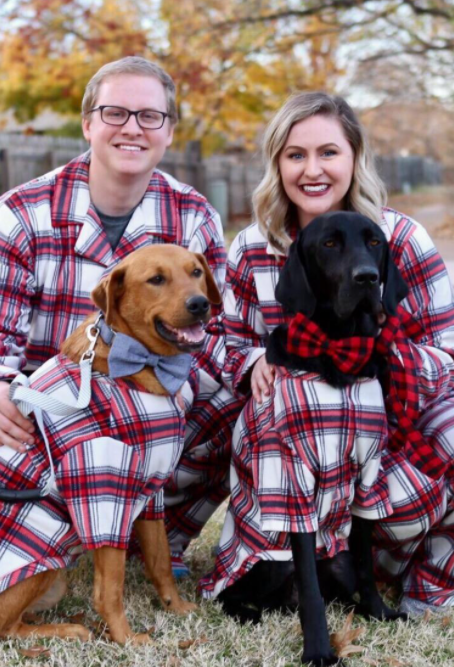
(429, 11)
(316, 10)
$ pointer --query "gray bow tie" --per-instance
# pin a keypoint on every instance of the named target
(127, 356)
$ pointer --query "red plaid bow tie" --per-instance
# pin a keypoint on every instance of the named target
(306, 339)
(402, 399)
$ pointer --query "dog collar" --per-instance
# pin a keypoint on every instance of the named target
(128, 356)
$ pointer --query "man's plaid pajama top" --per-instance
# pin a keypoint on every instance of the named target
(54, 251)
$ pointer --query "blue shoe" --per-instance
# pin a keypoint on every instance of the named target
(179, 568)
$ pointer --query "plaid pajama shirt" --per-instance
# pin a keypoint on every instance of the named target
(53, 252)
(416, 541)
(111, 460)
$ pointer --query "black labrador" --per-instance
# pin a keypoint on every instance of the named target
(334, 275)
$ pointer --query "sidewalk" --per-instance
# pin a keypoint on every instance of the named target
(434, 209)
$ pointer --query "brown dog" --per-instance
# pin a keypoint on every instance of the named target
(159, 295)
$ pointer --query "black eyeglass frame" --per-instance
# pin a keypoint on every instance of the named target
(130, 113)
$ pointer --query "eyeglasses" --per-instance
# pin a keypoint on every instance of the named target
(147, 119)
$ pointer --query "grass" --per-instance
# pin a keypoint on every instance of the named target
(209, 639)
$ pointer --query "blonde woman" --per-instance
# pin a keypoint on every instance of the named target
(317, 160)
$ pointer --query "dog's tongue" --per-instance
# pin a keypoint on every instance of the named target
(193, 334)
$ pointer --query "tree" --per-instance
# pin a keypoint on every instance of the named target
(234, 61)
(228, 80)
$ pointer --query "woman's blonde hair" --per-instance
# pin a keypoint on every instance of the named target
(130, 65)
(272, 208)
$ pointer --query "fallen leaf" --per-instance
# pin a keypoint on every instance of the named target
(187, 643)
(34, 652)
(427, 616)
(349, 650)
(446, 621)
(173, 661)
(387, 590)
(343, 640)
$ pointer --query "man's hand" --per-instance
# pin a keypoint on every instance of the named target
(15, 430)
(262, 378)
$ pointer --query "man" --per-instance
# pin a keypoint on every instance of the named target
(60, 234)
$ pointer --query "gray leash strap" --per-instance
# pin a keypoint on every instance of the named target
(29, 400)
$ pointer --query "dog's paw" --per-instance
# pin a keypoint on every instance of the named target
(182, 607)
(179, 606)
(380, 611)
(242, 612)
(141, 638)
(321, 661)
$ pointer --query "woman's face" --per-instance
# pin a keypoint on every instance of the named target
(316, 167)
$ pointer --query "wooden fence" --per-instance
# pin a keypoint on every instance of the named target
(227, 181)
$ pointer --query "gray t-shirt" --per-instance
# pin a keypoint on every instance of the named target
(114, 225)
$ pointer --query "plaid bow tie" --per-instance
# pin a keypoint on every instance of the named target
(127, 356)
(306, 339)
(403, 399)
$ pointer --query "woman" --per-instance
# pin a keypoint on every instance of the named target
(317, 160)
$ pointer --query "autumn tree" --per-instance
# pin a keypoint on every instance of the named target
(228, 79)
(234, 61)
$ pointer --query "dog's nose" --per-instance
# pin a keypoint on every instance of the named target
(198, 305)
(365, 275)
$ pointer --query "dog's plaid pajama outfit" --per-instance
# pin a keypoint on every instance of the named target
(54, 251)
(416, 542)
(111, 460)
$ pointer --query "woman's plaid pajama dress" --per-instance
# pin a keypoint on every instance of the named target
(416, 541)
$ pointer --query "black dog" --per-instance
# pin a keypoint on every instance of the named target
(333, 276)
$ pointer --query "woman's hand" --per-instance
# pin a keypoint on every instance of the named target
(262, 378)
(15, 430)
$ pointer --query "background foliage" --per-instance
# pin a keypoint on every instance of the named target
(234, 61)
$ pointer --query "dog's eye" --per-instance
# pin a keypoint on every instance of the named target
(330, 244)
(374, 242)
(156, 280)
(197, 273)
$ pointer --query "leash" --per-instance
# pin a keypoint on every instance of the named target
(29, 400)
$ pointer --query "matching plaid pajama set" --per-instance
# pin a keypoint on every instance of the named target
(311, 454)
(54, 251)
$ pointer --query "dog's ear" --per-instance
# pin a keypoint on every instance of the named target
(213, 294)
(293, 290)
(394, 286)
(107, 293)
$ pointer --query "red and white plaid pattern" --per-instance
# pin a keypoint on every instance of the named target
(310, 460)
(423, 513)
(53, 252)
(111, 460)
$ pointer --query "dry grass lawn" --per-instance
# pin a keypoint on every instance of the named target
(209, 639)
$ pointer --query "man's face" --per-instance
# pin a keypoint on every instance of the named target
(127, 152)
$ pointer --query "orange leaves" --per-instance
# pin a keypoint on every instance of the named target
(342, 641)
